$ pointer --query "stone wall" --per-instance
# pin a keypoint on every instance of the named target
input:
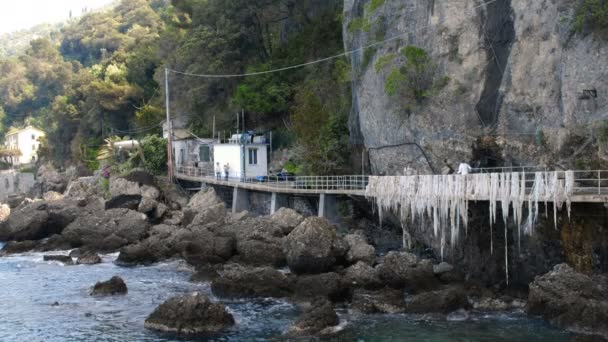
(13, 182)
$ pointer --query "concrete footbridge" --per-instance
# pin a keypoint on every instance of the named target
(512, 185)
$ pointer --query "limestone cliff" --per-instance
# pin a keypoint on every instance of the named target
(521, 87)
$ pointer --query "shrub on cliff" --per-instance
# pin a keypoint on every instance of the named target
(155, 153)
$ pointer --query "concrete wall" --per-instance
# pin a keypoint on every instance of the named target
(13, 182)
(261, 168)
(228, 154)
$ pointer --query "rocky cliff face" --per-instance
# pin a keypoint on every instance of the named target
(522, 89)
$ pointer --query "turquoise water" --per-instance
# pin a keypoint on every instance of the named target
(30, 286)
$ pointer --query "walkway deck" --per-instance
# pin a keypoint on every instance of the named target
(590, 186)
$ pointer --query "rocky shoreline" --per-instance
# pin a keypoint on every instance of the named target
(305, 260)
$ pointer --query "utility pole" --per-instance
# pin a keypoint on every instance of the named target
(243, 117)
(238, 125)
(169, 129)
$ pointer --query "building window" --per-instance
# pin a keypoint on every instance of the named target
(204, 154)
(33, 137)
(253, 156)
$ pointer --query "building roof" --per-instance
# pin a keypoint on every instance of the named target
(14, 131)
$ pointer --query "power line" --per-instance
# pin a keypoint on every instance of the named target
(297, 66)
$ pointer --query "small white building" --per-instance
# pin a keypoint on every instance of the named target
(245, 154)
(25, 140)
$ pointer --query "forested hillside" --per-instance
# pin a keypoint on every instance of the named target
(103, 75)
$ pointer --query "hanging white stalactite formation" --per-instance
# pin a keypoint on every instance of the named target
(445, 198)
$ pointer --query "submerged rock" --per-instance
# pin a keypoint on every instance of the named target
(88, 258)
(111, 287)
(571, 300)
(65, 259)
(381, 301)
(445, 300)
(319, 319)
(325, 285)
(189, 314)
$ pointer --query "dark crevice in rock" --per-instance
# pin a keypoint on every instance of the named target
(498, 31)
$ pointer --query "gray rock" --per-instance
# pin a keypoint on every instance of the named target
(123, 194)
(362, 274)
(444, 301)
(359, 249)
(189, 315)
(571, 300)
(380, 301)
(404, 270)
(65, 259)
(150, 192)
(260, 242)
(319, 319)
(287, 219)
(325, 285)
(88, 258)
(313, 246)
(237, 281)
(147, 205)
(443, 267)
(114, 286)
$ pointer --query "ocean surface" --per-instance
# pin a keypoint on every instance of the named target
(46, 301)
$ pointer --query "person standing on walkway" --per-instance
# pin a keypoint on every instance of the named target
(464, 169)
(226, 170)
(218, 171)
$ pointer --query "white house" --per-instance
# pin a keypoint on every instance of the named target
(189, 150)
(25, 140)
(246, 156)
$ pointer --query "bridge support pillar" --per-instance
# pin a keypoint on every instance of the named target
(277, 201)
(240, 200)
(328, 207)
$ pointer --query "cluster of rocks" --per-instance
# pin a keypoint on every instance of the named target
(284, 255)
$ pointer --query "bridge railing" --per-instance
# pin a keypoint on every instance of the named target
(586, 182)
(270, 182)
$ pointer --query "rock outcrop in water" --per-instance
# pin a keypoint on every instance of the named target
(319, 319)
(571, 300)
(190, 314)
(114, 286)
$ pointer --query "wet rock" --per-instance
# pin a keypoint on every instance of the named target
(325, 285)
(359, 249)
(14, 247)
(444, 300)
(313, 246)
(380, 301)
(189, 314)
(287, 219)
(205, 273)
(571, 300)
(65, 259)
(319, 319)
(458, 316)
(107, 230)
(237, 281)
(362, 274)
(88, 258)
(111, 287)
(404, 270)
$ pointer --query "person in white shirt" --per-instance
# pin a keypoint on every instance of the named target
(464, 169)
(218, 171)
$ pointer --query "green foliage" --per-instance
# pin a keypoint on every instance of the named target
(416, 80)
(375, 4)
(155, 154)
(359, 24)
(592, 14)
(290, 167)
(368, 55)
(540, 138)
(384, 61)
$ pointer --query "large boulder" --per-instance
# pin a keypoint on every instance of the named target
(237, 281)
(287, 219)
(114, 286)
(189, 314)
(212, 214)
(313, 246)
(363, 275)
(325, 285)
(88, 258)
(173, 195)
(444, 301)
(359, 249)
(207, 247)
(85, 187)
(123, 194)
(404, 270)
(571, 300)
(260, 242)
(50, 180)
(64, 259)
(205, 204)
(107, 230)
(381, 301)
(39, 219)
(319, 319)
